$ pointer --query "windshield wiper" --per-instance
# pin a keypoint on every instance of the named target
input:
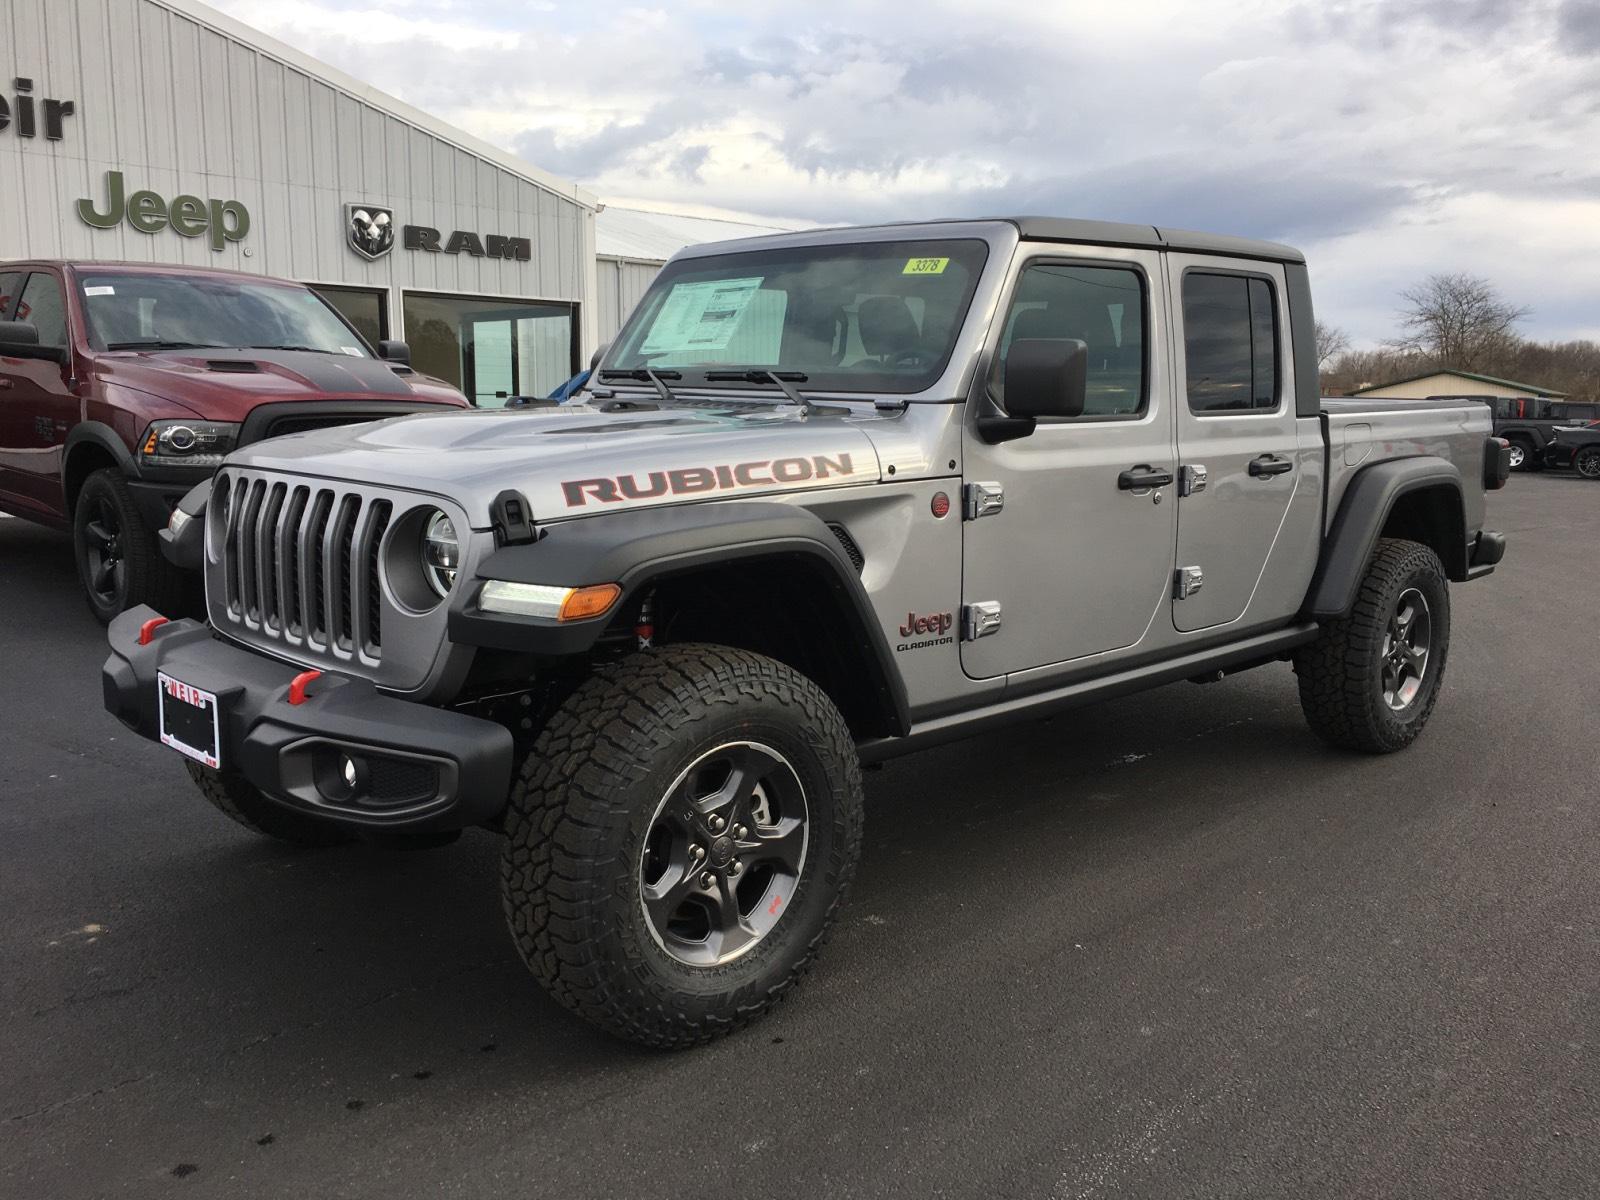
(158, 344)
(763, 375)
(306, 349)
(646, 375)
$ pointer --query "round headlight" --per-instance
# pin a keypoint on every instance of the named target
(441, 553)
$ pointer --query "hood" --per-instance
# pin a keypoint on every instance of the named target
(224, 385)
(575, 461)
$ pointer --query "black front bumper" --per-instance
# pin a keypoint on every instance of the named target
(420, 769)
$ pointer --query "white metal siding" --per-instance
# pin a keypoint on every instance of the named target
(621, 285)
(182, 107)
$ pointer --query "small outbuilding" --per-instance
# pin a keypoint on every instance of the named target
(1457, 383)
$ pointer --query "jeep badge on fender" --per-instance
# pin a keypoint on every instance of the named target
(659, 684)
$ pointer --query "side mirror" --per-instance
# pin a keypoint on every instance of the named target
(395, 352)
(19, 339)
(1046, 378)
(599, 353)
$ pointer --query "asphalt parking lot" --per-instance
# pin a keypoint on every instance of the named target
(1165, 947)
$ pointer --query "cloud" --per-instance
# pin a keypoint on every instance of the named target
(1403, 136)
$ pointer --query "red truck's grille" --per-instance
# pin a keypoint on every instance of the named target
(299, 563)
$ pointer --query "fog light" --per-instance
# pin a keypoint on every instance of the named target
(348, 772)
(341, 777)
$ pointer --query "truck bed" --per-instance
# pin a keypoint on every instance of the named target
(1362, 431)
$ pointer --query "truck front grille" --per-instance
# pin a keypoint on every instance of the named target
(299, 564)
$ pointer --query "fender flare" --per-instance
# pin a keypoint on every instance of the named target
(1367, 503)
(103, 437)
(635, 549)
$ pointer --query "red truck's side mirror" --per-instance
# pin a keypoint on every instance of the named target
(397, 353)
(18, 339)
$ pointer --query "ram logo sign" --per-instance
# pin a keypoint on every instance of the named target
(370, 230)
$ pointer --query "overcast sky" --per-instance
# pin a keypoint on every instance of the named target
(1387, 138)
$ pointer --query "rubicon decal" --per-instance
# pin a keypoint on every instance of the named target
(938, 625)
(689, 481)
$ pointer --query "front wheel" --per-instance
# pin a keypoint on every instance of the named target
(679, 841)
(1370, 680)
(1521, 456)
(119, 560)
(1586, 462)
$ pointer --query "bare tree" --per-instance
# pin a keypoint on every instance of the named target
(1331, 343)
(1457, 320)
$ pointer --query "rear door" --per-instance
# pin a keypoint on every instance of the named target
(1078, 563)
(1237, 438)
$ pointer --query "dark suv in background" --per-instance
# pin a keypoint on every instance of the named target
(123, 385)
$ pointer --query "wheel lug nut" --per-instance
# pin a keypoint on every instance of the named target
(717, 824)
(708, 880)
(697, 851)
(733, 867)
(741, 831)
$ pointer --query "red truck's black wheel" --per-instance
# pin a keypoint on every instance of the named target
(119, 561)
(679, 841)
(1370, 680)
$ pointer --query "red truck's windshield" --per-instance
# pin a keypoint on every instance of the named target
(137, 311)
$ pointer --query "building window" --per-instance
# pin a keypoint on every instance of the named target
(491, 349)
(365, 308)
(1230, 343)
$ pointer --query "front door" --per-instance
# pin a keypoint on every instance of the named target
(1078, 554)
(41, 408)
(1236, 432)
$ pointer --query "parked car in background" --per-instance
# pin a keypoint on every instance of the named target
(1576, 446)
(1529, 425)
(123, 385)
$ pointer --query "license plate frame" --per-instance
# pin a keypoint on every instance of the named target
(189, 718)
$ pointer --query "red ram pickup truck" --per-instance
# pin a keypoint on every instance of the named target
(123, 385)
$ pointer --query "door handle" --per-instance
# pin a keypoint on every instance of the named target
(1269, 464)
(1143, 476)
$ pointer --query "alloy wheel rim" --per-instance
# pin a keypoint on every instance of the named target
(103, 552)
(1589, 465)
(1407, 645)
(1517, 455)
(723, 854)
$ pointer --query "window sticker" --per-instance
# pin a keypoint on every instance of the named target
(102, 290)
(352, 351)
(925, 266)
(700, 316)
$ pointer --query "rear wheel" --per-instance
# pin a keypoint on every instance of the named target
(1370, 680)
(1521, 456)
(119, 560)
(1586, 462)
(679, 841)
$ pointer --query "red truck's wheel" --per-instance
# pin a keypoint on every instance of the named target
(119, 560)
(679, 841)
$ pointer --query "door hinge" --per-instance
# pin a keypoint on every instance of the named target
(979, 620)
(1191, 479)
(1187, 582)
(982, 500)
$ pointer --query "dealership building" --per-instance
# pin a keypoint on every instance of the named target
(165, 131)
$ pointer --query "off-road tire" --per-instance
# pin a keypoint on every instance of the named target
(147, 577)
(243, 802)
(1340, 673)
(582, 805)
(1586, 462)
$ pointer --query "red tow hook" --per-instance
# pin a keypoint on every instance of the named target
(298, 685)
(148, 629)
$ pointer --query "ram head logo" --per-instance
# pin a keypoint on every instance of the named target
(370, 229)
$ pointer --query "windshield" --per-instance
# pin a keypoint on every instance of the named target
(875, 317)
(154, 312)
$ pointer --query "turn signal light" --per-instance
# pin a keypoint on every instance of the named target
(589, 601)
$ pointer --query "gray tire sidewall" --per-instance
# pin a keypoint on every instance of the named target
(823, 875)
(1425, 573)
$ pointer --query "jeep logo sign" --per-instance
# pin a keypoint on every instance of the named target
(223, 221)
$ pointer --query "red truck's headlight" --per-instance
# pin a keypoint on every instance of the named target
(185, 443)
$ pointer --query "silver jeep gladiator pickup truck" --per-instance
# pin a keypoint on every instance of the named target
(829, 497)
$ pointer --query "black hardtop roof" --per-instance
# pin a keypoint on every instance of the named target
(1115, 233)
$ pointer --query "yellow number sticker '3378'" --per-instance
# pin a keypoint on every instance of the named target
(925, 266)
